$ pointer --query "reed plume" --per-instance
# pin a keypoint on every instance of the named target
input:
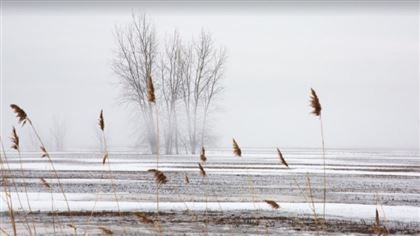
(187, 180)
(44, 152)
(101, 121)
(236, 149)
(160, 177)
(316, 106)
(282, 158)
(316, 110)
(203, 157)
(20, 114)
(202, 172)
(150, 90)
(272, 203)
(23, 118)
(45, 183)
(15, 140)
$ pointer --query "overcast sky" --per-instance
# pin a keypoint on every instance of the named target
(362, 61)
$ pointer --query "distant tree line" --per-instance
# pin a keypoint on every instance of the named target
(187, 77)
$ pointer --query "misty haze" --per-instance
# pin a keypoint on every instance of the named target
(183, 118)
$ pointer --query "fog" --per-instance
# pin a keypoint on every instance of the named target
(362, 61)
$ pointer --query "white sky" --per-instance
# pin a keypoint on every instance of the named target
(363, 62)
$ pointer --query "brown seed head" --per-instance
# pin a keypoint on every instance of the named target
(273, 204)
(45, 183)
(101, 121)
(316, 106)
(150, 90)
(236, 149)
(281, 158)
(203, 157)
(20, 114)
(15, 140)
(44, 152)
(160, 177)
(187, 180)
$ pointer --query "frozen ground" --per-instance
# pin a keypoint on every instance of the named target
(229, 200)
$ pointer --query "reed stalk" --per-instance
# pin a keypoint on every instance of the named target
(6, 164)
(7, 192)
(316, 110)
(23, 119)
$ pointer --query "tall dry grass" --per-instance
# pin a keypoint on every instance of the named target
(23, 119)
(316, 110)
(16, 146)
(6, 186)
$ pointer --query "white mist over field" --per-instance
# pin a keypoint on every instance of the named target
(363, 63)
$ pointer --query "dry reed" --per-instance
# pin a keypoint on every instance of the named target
(23, 119)
(160, 177)
(202, 171)
(6, 187)
(236, 149)
(203, 157)
(272, 203)
(187, 180)
(150, 90)
(316, 110)
(282, 158)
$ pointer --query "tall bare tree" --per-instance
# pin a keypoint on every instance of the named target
(201, 83)
(134, 64)
(190, 75)
(171, 68)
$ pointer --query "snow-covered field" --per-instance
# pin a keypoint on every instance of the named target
(230, 200)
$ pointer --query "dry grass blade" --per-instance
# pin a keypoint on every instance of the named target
(316, 106)
(150, 90)
(273, 204)
(101, 121)
(20, 113)
(105, 158)
(282, 158)
(160, 177)
(15, 140)
(203, 157)
(44, 152)
(106, 231)
(236, 149)
(144, 218)
(187, 180)
(45, 183)
(202, 172)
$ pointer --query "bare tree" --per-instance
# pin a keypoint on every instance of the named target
(201, 83)
(134, 64)
(190, 76)
(58, 132)
(171, 68)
